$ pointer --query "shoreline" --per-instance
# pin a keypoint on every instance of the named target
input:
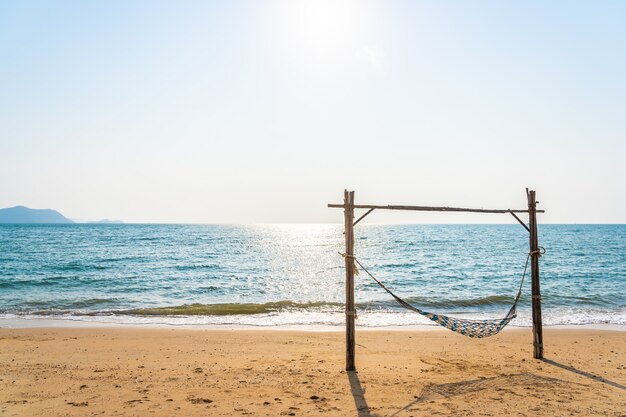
(29, 323)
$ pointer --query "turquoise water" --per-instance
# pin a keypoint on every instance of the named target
(292, 274)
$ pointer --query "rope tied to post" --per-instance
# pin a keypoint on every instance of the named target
(538, 252)
(354, 261)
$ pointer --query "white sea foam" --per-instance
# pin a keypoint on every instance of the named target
(303, 318)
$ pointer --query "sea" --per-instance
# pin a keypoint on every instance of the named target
(293, 275)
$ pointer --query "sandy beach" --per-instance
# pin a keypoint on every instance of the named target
(165, 372)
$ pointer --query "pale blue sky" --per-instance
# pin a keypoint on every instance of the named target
(264, 111)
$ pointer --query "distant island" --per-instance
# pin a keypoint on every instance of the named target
(21, 214)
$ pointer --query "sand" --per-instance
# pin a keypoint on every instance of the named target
(167, 372)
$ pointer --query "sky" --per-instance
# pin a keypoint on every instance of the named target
(265, 111)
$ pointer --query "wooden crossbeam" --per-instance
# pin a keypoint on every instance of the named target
(428, 208)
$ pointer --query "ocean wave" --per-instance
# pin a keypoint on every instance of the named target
(333, 318)
(502, 300)
(227, 309)
(122, 259)
(78, 267)
(92, 306)
(455, 303)
(54, 308)
(192, 267)
(46, 281)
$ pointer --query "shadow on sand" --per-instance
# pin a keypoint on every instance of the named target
(358, 393)
(583, 373)
(452, 389)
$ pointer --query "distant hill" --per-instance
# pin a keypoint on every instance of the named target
(21, 214)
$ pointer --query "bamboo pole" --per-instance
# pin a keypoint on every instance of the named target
(348, 197)
(429, 208)
(534, 268)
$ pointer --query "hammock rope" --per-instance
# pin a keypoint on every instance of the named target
(466, 327)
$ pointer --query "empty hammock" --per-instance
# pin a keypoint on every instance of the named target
(466, 327)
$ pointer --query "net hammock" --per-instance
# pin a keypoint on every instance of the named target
(466, 327)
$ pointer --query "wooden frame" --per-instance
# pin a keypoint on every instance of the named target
(349, 223)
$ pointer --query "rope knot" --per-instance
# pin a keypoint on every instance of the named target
(538, 252)
(354, 261)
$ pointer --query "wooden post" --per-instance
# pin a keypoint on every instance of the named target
(534, 268)
(348, 200)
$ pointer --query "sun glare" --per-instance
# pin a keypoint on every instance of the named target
(323, 31)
